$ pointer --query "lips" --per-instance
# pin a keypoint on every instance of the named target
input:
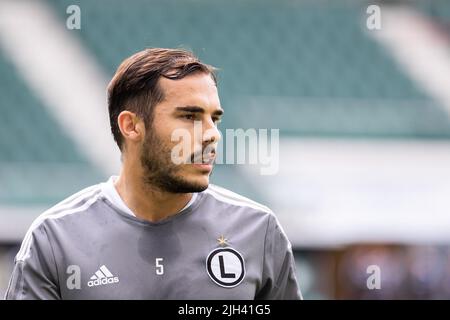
(209, 159)
(206, 159)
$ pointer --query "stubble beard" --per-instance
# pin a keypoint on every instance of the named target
(160, 172)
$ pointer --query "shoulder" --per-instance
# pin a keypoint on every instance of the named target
(77, 203)
(251, 210)
(232, 199)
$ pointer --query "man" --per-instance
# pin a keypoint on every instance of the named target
(159, 230)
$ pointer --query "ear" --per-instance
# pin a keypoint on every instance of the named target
(131, 126)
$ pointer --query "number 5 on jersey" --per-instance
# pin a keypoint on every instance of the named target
(159, 266)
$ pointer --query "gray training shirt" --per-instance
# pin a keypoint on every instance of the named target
(91, 246)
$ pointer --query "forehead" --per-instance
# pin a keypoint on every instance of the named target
(197, 89)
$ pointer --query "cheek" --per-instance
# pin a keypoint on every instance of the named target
(162, 130)
(177, 132)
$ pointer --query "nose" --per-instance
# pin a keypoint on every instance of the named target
(211, 133)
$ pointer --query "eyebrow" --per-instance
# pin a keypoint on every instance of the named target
(196, 109)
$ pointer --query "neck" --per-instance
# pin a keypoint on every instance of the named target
(147, 202)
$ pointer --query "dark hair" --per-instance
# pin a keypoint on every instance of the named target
(134, 86)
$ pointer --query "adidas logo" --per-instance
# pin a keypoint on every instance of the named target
(102, 276)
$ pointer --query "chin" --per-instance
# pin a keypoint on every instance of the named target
(198, 179)
(194, 181)
(200, 183)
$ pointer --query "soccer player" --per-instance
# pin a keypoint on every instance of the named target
(159, 230)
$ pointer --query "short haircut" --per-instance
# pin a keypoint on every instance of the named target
(134, 86)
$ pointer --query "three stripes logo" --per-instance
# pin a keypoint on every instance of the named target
(102, 276)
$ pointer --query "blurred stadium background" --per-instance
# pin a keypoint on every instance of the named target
(364, 119)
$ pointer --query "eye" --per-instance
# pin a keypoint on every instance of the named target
(189, 117)
(216, 120)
